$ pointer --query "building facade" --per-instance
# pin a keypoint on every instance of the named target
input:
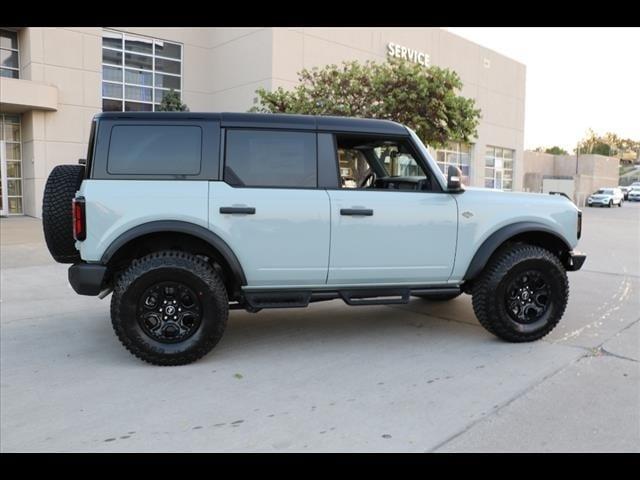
(53, 80)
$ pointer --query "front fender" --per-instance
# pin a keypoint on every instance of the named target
(497, 238)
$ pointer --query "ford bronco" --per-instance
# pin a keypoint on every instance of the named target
(184, 216)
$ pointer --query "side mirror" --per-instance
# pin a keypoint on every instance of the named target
(82, 161)
(454, 184)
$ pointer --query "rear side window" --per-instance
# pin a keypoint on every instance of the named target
(264, 158)
(155, 150)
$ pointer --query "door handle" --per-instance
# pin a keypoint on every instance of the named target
(245, 210)
(356, 211)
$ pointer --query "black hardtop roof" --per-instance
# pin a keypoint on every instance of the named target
(271, 120)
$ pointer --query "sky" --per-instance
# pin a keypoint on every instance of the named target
(577, 78)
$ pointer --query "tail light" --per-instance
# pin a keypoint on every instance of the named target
(579, 223)
(79, 218)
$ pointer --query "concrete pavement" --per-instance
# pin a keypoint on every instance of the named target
(419, 377)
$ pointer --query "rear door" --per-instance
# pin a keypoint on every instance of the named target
(268, 207)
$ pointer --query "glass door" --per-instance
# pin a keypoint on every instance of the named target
(3, 179)
(498, 179)
(11, 151)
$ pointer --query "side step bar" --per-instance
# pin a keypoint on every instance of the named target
(258, 300)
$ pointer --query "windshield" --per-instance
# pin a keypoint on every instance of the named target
(423, 150)
(397, 162)
(605, 191)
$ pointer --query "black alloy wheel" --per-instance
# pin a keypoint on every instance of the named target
(169, 312)
(527, 297)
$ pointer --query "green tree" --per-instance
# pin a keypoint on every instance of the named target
(608, 144)
(555, 150)
(424, 98)
(171, 103)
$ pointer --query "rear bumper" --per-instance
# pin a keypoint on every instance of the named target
(575, 261)
(87, 278)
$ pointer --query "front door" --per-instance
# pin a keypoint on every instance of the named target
(268, 208)
(405, 237)
(386, 228)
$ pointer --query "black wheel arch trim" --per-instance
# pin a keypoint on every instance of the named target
(497, 238)
(177, 226)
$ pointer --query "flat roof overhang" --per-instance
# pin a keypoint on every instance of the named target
(18, 96)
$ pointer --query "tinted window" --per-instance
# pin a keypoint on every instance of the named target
(257, 158)
(155, 150)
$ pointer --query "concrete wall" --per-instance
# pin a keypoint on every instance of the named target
(593, 172)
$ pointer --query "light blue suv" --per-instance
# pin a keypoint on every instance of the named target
(184, 216)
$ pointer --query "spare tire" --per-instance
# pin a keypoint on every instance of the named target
(57, 222)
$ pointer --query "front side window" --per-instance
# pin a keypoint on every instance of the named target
(377, 162)
(137, 72)
(498, 170)
(9, 62)
(269, 158)
(155, 150)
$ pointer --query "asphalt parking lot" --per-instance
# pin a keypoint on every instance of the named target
(421, 377)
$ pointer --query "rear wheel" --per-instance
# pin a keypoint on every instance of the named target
(522, 293)
(169, 308)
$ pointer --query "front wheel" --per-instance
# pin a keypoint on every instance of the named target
(522, 293)
(610, 203)
(169, 308)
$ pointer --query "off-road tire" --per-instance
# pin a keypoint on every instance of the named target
(489, 292)
(438, 297)
(57, 223)
(169, 265)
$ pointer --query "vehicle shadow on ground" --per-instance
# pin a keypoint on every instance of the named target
(338, 324)
(332, 324)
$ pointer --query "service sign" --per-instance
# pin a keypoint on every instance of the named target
(415, 56)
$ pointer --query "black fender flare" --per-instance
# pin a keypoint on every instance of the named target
(177, 226)
(497, 238)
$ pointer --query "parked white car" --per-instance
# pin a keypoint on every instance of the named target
(606, 197)
(634, 194)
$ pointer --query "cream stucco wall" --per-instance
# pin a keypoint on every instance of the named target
(223, 67)
(68, 59)
(498, 89)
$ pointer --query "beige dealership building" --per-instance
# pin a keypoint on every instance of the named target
(53, 80)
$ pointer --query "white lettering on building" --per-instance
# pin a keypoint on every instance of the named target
(415, 56)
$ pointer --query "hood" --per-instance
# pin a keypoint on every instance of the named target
(491, 193)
